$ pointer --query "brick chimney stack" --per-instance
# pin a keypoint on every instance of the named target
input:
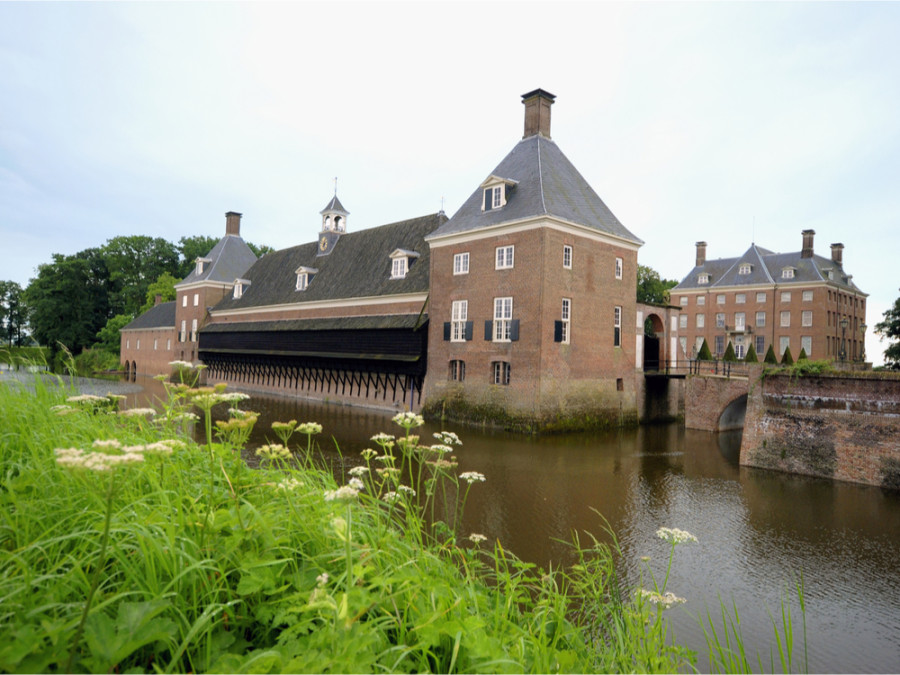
(837, 253)
(537, 112)
(233, 223)
(807, 251)
(701, 253)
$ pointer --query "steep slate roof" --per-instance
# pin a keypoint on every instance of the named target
(337, 323)
(548, 185)
(358, 267)
(160, 316)
(231, 257)
(766, 269)
(335, 205)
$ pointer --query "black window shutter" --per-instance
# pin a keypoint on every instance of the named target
(488, 330)
(469, 330)
(488, 199)
(514, 330)
(446, 330)
(557, 331)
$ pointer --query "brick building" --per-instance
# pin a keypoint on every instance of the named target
(533, 284)
(799, 300)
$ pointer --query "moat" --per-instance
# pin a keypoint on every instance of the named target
(758, 530)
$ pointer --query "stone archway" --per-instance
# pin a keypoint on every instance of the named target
(733, 415)
(654, 343)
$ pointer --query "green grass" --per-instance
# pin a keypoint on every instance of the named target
(193, 562)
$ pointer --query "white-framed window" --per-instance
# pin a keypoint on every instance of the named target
(493, 198)
(567, 257)
(701, 300)
(806, 344)
(682, 320)
(459, 314)
(760, 297)
(783, 343)
(505, 257)
(740, 298)
(565, 315)
(760, 346)
(184, 300)
(199, 267)
(720, 299)
(703, 279)
(785, 296)
(457, 370)
(683, 301)
(740, 350)
(193, 330)
(138, 344)
(302, 281)
(503, 308)
(740, 321)
(398, 268)
(127, 343)
(618, 268)
(617, 327)
(787, 273)
(183, 336)
(196, 299)
(720, 320)
(500, 371)
(745, 268)
(806, 317)
(807, 296)
(785, 319)
(168, 344)
(238, 290)
(760, 319)
(701, 321)
(461, 263)
(720, 344)
(682, 342)
(155, 340)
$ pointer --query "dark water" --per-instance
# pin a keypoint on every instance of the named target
(757, 530)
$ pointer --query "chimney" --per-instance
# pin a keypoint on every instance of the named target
(157, 300)
(807, 251)
(701, 253)
(537, 112)
(233, 223)
(837, 253)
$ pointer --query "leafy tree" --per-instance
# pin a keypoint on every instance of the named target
(164, 287)
(135, 262)
(651, 288)
(108, 336)
(751, 356)
(12, 313)
(260, 250)
(786, 358)
(770, 356)
(62, 305)
(705, 354)
(802, 356)
(729, 353)
(890, 329)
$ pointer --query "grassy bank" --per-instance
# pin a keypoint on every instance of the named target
(127, 547)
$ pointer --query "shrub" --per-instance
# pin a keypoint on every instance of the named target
(786, 358)
(705, 354)
(770, 356)
(729, 353)
(750, 356)
(802, 356)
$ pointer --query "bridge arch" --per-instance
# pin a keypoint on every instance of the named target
(733, 415)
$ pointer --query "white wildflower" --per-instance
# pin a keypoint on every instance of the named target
(675, 536)
(447, 438)
(666, 600)
(289, 484)
(322, 579)
(472, 477)
(368, 454)
(408, 490)
(443, 449)
(273, 451)
(112, 443)
(408, 420)
(476, 538)
(310, 428)
(356, 484)
(181, 364)
(344, 493)
(383, 439)
(138, 412)
(359, 471)
(391, 497)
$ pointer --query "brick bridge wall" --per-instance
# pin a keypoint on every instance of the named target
(707, 396)
(844, 427)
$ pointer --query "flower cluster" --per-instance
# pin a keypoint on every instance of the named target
(342, 494)
(273, 451)
(359, 471)
(447, 438)
(138, 412)
(408, 420)
(472, 477)
(76, 458)
(476, 538)
(310, 428)
(675, 536)
(665, 600)
(289, 484)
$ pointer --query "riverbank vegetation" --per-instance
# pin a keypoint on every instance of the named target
(125, 546)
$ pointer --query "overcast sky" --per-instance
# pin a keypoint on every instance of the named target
(724, 122)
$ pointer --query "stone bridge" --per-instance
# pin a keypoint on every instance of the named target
(715, 397)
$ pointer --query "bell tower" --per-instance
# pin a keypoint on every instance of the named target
(334, 224)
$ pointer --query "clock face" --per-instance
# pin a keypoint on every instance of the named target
(323, 244)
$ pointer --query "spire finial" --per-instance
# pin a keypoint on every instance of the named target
(335, 186)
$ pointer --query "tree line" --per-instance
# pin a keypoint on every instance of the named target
(82, 300)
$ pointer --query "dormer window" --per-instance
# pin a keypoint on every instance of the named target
(401, 259)
(829, 273)
(495, 192)
(201, 264)
(240, 285)
(745, 268)
(787, 273)
(304, 276)
(703, 279)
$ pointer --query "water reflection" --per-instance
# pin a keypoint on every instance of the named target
(758, 530)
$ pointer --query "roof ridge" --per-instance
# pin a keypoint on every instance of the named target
(541, 175)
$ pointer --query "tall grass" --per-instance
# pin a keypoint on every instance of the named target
(182, 559)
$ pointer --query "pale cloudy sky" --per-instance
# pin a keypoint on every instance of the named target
(723, 122)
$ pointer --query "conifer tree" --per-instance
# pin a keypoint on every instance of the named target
(770, 356)
(751, 356)
(803, 356)
(705, 354)
(729, 353)
(786, 358)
